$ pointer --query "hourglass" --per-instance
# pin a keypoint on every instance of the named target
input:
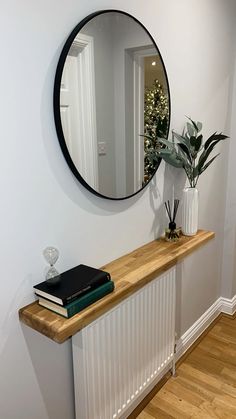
(51, 255)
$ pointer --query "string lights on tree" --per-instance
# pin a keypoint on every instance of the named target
(156, 119)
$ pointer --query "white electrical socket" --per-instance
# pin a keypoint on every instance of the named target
(102, 148)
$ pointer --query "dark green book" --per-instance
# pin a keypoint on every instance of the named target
(80, 303)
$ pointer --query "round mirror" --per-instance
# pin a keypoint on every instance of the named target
(111, 103)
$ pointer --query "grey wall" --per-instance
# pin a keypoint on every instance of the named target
(42, 204)
(228, 284)
(113, 35)
(127, 34)
(100, 29)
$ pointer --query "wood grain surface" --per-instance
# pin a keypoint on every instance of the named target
(129, 272)
(205, 385)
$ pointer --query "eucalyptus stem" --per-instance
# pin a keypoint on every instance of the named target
(189, 152)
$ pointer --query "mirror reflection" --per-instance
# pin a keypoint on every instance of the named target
(114, 90)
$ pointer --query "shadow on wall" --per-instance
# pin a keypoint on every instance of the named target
(174, 183)
(53, 368)
(38, 371)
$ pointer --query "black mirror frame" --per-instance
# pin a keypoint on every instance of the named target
(56, 101)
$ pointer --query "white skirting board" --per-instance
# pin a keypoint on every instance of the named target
(222, 305)
(228, 306)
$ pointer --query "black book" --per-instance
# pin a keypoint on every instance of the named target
(71, 284)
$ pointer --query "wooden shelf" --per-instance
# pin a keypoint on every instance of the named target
(129, 272)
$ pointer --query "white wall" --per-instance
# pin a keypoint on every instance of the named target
(42, 204)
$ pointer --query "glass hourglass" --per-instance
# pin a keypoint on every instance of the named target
(51, 255)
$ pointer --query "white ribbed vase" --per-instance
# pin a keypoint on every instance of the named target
(190, 211)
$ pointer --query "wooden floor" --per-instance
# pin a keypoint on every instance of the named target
(205, 384)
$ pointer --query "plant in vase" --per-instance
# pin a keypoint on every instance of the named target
(191, 153)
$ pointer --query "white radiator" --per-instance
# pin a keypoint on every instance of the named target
(122, 353)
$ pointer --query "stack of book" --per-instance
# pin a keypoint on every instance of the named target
(73, 290)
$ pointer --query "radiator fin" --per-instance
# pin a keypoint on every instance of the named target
(125, 350)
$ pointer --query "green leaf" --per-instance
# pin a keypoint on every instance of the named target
(214, 137)
(196, 171)
(210, 139)
(192, 141)
(181, 139)
(169, 144)
(182, 156)
(199, 125)
(172, 160)
(205, 154)
(165, 151)
(184, 148)
(196, 143)
(194, 123)
(190, 129)
(208, 164)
